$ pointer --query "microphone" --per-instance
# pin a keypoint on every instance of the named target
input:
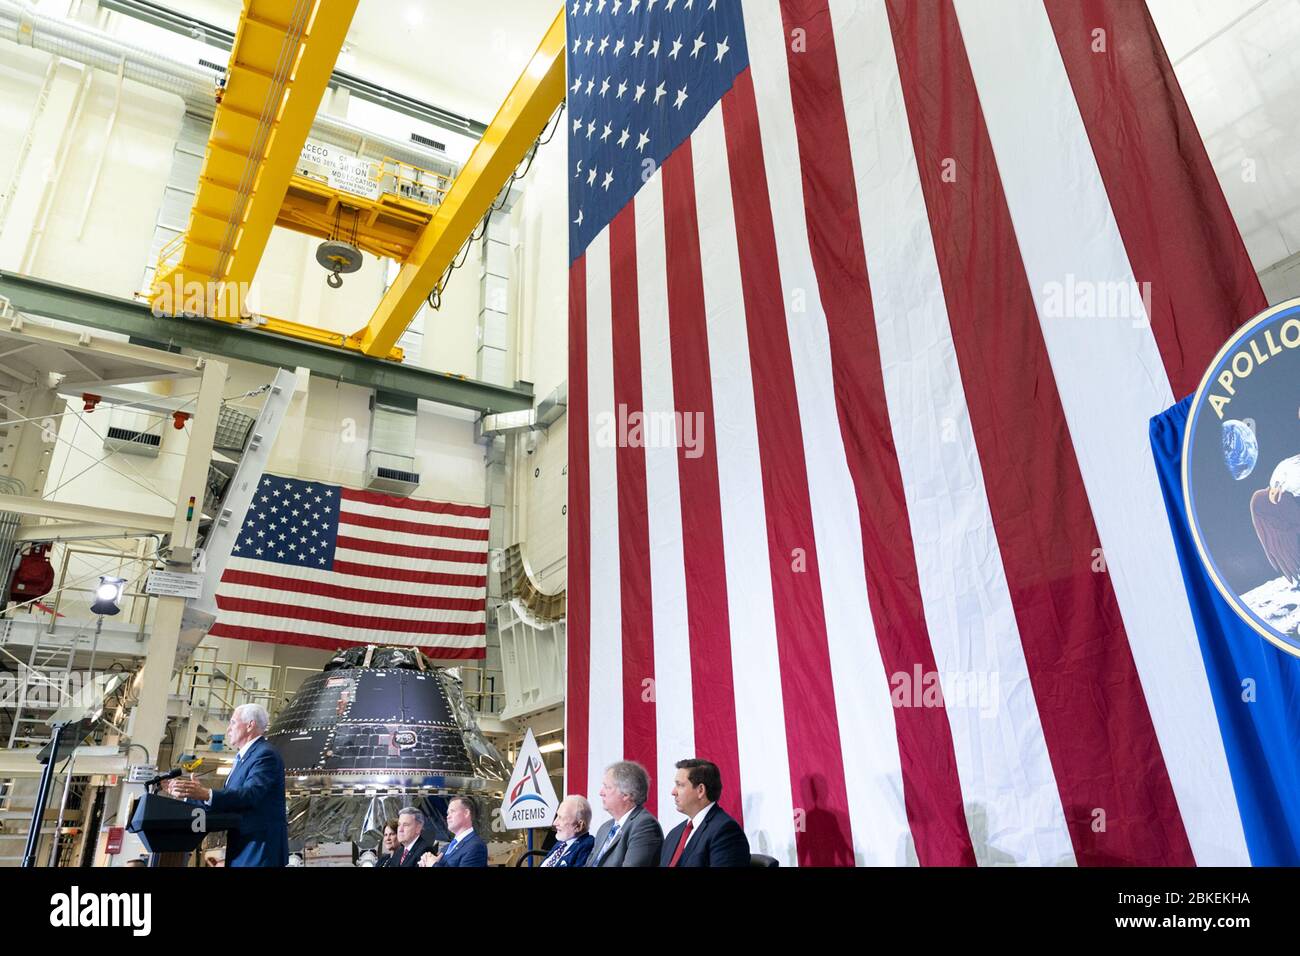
(169, 775)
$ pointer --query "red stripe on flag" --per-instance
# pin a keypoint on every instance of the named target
(434, 578)
(265, 636)
(639, 726)
(1098, 731)
(411, 504)
(375, 595)
(712, 691)
(322, 615)
(1171, 212)
(412, 527)
(411, 551)
(578, 620)
(812, 730)
(931, 788)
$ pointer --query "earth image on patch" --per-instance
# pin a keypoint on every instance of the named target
(1240, 449)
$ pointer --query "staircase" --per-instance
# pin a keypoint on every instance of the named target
(43, 682)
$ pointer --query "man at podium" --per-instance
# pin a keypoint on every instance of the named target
(254, 790)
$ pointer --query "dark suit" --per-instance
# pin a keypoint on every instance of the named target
(255, 791)
(420, 847)
(469, 850)
(719, 841)
(637, 842)
(577, 852)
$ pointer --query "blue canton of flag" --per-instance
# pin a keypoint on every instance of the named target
(291, 521)
(642, 74)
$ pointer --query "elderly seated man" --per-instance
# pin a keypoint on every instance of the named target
(573, 839)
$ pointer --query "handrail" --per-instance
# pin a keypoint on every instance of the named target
(219, 681)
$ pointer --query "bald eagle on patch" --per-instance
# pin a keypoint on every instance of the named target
(1275, 512)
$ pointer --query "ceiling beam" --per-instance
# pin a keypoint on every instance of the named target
(136, 320)
(85, 514)
(362, 89)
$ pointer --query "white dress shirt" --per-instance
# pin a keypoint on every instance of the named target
(695, 823)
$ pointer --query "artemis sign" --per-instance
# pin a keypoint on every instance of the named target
(530, 799)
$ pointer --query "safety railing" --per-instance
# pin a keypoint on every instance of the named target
(408, 181)
(72, 581)
(169, 255)
(219, 686)
(484, 688)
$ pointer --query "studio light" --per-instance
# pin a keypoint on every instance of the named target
(108, 594)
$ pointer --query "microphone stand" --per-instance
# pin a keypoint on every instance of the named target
(42, 798)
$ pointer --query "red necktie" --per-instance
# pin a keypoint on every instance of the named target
(681, 844)
(405, 850)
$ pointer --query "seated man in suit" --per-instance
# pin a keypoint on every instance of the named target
(633, 836)
(411, 842)
(254, 790)
(467, 847)
(573, 842)
(708, 836)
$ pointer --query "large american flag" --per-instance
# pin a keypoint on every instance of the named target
(322, 565)
(905, 573)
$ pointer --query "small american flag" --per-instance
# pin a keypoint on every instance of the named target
(321, 565)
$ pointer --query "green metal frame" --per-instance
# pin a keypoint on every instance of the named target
(136, 320)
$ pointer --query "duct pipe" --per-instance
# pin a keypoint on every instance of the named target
(22, 23)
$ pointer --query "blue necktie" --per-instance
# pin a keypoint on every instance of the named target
(554, 858)
(609, 840)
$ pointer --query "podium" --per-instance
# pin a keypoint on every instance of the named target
(168, 825)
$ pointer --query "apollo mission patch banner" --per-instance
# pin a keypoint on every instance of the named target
(1241, 473)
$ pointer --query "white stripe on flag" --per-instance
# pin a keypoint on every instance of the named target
(1002, 757)
(430, 518)
(675, 727)
(1111, 381)
(343, 632)
(370, 607)
(768, 805)
(873, 773)
(379, 586)
(420, 565)
(410, 540)
(605, 695)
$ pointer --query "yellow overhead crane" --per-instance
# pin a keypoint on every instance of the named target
(250, 179)
(281, 62)
(387, 225)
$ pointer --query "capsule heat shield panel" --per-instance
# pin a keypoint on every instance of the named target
(364, 721)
